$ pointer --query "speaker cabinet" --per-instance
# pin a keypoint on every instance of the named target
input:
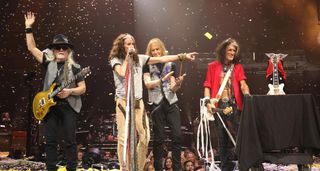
(19, 140)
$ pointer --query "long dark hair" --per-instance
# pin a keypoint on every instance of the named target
(165, 161)
(221, 50)
(118, 50)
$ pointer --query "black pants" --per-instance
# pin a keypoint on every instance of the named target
(64, 117)
(226, 147)
(162, 115)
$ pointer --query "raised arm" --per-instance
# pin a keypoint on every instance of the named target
(121, 69)
(172, 58)
(31, 43)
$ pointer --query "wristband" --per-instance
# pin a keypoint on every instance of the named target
(182, 56)
(161, 81)
(28, 30)
(206, 100)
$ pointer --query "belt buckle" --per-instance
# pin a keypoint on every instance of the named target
(137, 104)
(225, 99)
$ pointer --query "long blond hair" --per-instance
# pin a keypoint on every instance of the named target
(162, 47)
(68, 63)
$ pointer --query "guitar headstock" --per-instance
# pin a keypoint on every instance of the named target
(86, 71)
(282, 56)
(275, 58)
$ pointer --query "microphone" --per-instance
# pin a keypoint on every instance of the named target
(132, 51)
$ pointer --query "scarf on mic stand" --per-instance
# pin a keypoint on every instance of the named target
(126, 151)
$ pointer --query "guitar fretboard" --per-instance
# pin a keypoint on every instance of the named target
(275, 72)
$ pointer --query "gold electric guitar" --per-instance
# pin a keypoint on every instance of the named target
(45, 99)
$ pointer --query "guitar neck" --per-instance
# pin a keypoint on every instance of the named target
(275, 73)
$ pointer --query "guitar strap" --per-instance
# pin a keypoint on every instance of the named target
(232, 100)
(225, 80)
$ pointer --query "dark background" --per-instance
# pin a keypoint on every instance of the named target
(260, 26)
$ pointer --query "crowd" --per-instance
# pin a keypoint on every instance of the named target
(189, 160)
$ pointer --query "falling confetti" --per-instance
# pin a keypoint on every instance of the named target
(92, 25)
(208, 35)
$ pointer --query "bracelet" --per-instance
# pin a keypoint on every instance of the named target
(28, 30)
(182, 56)
(206, 100)
(161, 81)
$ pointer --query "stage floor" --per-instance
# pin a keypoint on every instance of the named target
(20, 164)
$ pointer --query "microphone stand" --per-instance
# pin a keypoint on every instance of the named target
(28, 77)
(132, 135)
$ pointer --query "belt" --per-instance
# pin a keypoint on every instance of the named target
(136, 106)
(225, 99)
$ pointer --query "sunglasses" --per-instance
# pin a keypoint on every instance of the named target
(63, 47)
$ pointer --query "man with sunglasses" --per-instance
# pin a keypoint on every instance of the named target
(60, 67)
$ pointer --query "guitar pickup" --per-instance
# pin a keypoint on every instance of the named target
(42, 102)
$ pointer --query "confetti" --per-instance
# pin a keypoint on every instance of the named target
(92, 25)
(208, 35)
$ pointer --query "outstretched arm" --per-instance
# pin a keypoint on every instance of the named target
(31, 43)
(172, 58)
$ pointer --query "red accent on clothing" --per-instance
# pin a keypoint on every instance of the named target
(128, 140)
(280, 69)
(213, 80)
(127, 80)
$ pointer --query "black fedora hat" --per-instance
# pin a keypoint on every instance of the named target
(60, 39)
